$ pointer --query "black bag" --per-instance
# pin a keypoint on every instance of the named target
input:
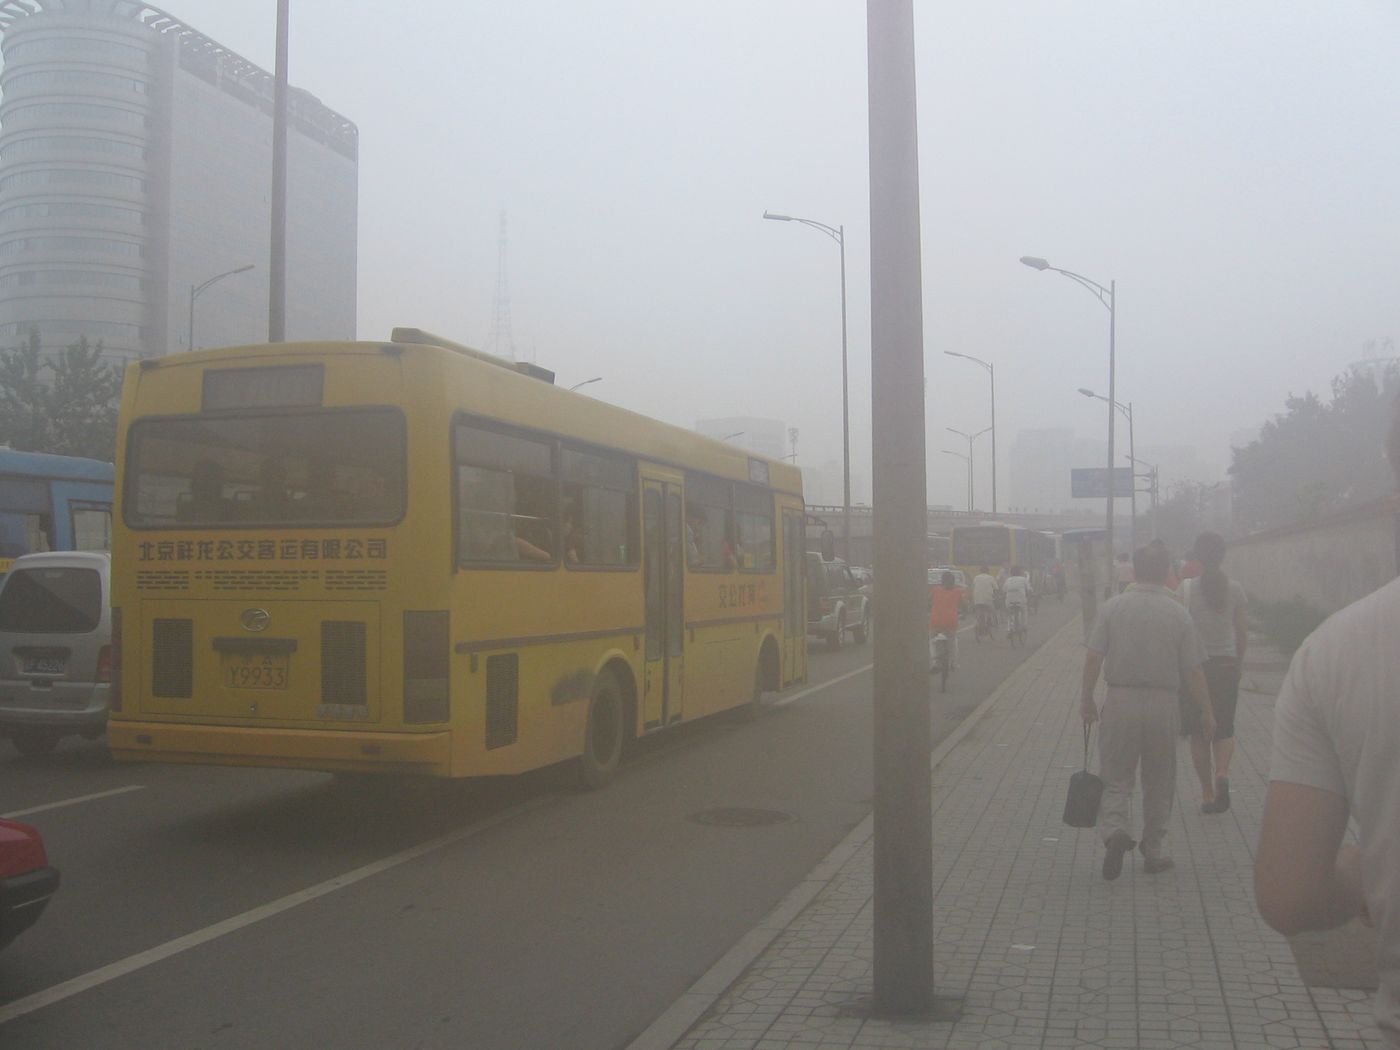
(1085, 791)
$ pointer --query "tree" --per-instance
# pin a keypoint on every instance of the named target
(83, 402)
(70, 411)
(1318, 456)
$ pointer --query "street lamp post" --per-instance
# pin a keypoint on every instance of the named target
(1127, 411)
(950, 452)
(971, 483)
(1151, 477)
(277, 256)
(197, 289)
(837, 234)
(992, 375)
(1109, 298)
(595, 379)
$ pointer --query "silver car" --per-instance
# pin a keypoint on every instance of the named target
(55, 648)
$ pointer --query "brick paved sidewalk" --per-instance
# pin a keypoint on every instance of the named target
(1042, 951)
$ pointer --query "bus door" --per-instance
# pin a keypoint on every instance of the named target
(663, 524)
(794, 600)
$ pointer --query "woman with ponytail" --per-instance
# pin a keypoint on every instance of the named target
(1217, 607)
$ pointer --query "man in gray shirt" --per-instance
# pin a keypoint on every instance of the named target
(1146, 646)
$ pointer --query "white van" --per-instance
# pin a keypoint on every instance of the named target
(55, 648)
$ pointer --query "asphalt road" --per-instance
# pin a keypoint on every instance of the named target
(213, 908)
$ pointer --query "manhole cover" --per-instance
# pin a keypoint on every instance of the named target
(739, 817)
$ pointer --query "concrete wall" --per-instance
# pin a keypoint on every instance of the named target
(1331, 563)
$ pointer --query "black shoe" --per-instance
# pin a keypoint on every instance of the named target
(1115, 846)
(1222, 795)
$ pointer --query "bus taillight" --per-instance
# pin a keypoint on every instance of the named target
(113, 655)
(426, 663)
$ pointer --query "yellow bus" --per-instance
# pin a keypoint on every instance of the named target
(415, 557)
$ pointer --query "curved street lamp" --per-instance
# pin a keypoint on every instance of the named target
(1127, 411)
(970, 438)
(595, 379)
(950, 452)
(837, 234)
(992, 375)
(1109, 298)
(197, 289)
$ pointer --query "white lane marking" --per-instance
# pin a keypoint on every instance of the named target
(802, 693)
(132, 963)
(73, 801)
(819, 687)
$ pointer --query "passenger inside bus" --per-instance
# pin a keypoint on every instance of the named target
(206, 495)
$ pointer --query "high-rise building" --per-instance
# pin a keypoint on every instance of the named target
(136, 164)
(1041, 464)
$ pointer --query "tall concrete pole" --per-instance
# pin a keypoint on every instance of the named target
(277, 260)
(1109, 585)
(903, 957)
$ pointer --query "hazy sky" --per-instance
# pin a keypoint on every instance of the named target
(1232, 166)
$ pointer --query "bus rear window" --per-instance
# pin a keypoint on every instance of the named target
(51, 601)
(307, 468)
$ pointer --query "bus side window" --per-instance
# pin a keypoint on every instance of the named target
(753, 518)
(600, 509)
(709, 536)
(506, 488)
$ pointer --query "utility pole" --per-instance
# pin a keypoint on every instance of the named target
(277, 261)
(903, 847)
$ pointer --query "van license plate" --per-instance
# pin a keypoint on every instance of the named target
(256, 670)
(44, 664)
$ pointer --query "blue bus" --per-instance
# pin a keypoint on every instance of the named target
(60, 503)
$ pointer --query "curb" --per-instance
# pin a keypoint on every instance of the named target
(680, 1016)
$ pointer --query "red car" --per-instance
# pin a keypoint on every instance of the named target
(26, 880)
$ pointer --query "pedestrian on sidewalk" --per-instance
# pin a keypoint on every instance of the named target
(1217, 606)
(1336, 737)
(1147, 648)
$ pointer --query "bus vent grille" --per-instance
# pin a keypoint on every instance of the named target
(356, 579)
(157, 580)
(172, 658)
(343, 679)
(502, 699)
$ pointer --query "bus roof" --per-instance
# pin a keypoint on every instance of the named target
(563, 411)
(47, 465)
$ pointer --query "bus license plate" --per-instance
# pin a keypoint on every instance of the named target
(256, 671)
(44, 665)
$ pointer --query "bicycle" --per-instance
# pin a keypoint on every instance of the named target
(1016, 633)
(984, 627)
(941, 658)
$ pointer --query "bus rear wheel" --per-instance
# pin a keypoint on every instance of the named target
(603, 736)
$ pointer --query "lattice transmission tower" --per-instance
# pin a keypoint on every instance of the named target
(501, 341)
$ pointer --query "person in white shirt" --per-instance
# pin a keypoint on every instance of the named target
(1336, 735)
(984, 596)
(1017, 589)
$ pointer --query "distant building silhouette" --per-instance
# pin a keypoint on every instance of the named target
(136, 162)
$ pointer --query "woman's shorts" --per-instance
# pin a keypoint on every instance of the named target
(1223, 683)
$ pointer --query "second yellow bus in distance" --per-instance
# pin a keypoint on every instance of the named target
(414, 557)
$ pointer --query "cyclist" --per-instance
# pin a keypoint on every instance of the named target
(1017, 589)
(984, 593)
(943, 602)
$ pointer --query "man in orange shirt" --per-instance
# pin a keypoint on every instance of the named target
(943, 602)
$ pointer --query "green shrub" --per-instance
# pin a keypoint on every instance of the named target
(1286, 624)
